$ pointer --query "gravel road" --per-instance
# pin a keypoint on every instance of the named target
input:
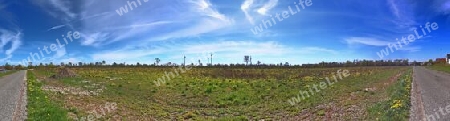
(12, 96)
(431, 95)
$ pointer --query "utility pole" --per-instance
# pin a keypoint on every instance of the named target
(251, 60)
(211, 59)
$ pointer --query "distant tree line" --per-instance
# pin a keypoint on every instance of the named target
(247, 63)
(396, 62)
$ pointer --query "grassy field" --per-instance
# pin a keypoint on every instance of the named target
(130, 93)
(444, 68)
(6, 73)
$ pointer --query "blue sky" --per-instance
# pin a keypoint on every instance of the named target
(169, 29)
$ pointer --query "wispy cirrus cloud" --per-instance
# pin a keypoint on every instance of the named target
(57, 8)
(269, 5)
(410, 48)
(12, 38)
(56, 27)
(63, 6)
(365, 41)
(245, 8)
(93, 38)
(394, 8)
(195, 17)
(403, 12)
(441, 6)
(254, 10)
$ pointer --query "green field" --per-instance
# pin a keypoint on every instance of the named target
(444, 68)
(231, 93)
(6, 73)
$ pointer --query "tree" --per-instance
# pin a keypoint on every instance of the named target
(430, 62)
(30, 65)
(103, 62)
(62, 64)
(70, 63)
(114, 64)
(80, 63)
(246, 59)
(8, 67)
(157, 60)
(258, 63)
(19, 67)
(286, 64)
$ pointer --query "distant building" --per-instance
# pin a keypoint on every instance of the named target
(441, 60)
(448, 58)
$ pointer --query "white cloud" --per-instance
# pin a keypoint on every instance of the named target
(93, 38)
(410, 48)
(269, 5)
(202, 27)
(366, 41)
(224, 51)
(441, 6)
(57, 8)
(56, 27)
(245, 7)
(63, 6)
(60, 52)
(394, 8)
(205, 7)
(195, 17)
(73, 60)
(9, 37)
(253, 9)
(401, 9)
(138, 28)
(100, 25)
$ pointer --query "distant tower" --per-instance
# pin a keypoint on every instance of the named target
(184, 61)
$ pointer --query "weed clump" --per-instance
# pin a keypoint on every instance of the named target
(63, 72)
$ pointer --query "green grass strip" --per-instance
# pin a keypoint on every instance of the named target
(397, 107)
(40, 107)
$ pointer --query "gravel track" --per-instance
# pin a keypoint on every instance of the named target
(430, 95)
(13, 97)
